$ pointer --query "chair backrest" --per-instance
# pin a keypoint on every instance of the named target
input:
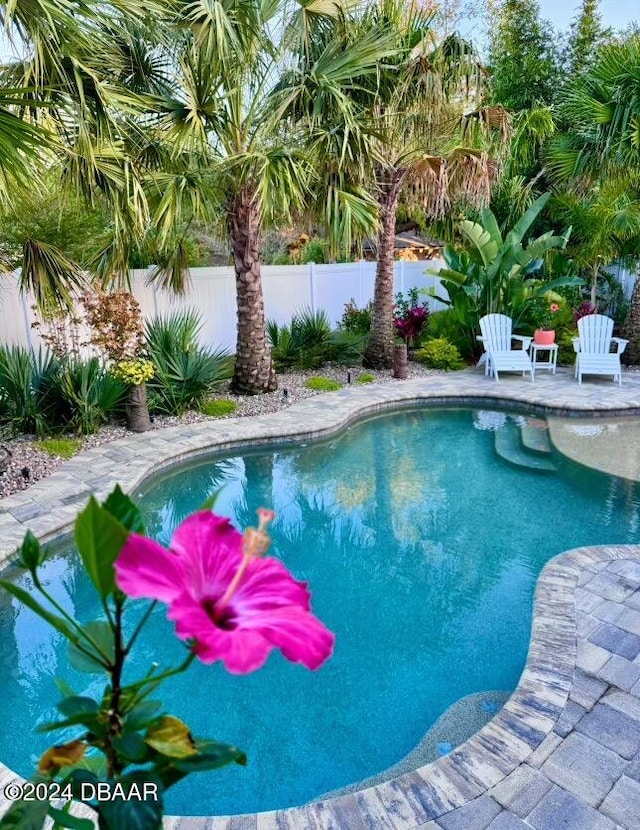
(595, 332)
(496, 332)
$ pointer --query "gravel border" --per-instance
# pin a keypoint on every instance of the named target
(29, 464)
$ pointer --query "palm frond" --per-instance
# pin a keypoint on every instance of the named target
(50, 276)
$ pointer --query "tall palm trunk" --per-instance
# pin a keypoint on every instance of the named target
(632, 327)
(379, 351)
(254, 372)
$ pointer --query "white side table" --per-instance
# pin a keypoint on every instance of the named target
(551, 360)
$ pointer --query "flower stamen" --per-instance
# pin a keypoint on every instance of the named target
(255, 542)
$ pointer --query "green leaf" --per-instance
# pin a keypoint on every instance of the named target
(485, 244)
(210, 503)
(27, 599)
(132, 748)
(134, 814)
(64, 688)
(99, 537)
(78, 710)
(125, 510)
(142, 715)
(490, 224)
(31, 554)
(91, 723)
(94, 764)
(78, 706)
(78, 777)
(25, 815)
(210, 755)
(171, 737)
(64, 819)
(516, 234)
(102, 635)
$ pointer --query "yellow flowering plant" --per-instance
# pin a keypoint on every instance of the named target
(135, 371)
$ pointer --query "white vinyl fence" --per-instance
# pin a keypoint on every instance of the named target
(287, 289)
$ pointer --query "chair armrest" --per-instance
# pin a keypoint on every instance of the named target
(576, 344)
(526, 341)
(621, 343)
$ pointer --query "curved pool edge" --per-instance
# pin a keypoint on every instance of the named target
(511, 739)
(49, 507)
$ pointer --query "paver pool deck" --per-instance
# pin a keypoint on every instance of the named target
(564, 752)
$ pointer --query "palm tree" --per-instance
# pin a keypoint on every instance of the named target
(384, 138)
(64, 102)
(417, 116)
(236, 154)
(605, 223)
(596, 162)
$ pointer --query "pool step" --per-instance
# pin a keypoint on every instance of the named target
(535, 436)
(509, 447)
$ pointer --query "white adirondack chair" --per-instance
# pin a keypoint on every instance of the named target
(497, 340)
(593, 348)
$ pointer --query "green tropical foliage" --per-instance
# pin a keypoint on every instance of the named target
(184, 371)
(93, 394)
(496, 272)
(309, 342)
(28, 401)
(41, 394)
(602, 112)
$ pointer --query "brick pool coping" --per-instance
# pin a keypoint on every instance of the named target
(442, 788)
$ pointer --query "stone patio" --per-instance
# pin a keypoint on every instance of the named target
(564, 752)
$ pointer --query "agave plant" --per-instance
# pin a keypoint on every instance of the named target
(497, 273)
(175, 333)
(185, 372)
(28, 400)
(93, 394)
(309, 342)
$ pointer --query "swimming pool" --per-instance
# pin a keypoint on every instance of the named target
(421, 545)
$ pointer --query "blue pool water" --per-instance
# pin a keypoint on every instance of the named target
(421, 547)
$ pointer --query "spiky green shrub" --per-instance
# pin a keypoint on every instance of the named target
(440, 354)
(62, 447)
(320, 384)
(174, 333)
(309, 342)
(185, 372)
(94, 395)
(30, 401)
(365, 378)
(215, 409)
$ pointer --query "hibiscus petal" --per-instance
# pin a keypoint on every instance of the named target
(146, 569)
(267, 584)
(242, 651)
(300, 636)
(211, 550)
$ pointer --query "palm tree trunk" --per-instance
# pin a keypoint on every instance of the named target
(254, 372)
(594, 282)
(379, 351)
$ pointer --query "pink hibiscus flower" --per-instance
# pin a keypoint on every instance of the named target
(233, 603)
